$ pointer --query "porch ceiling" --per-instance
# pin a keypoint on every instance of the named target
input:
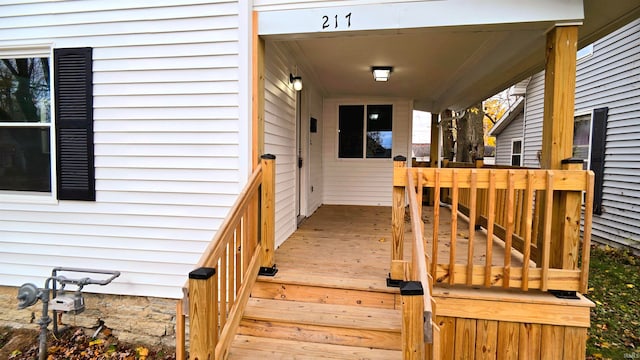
(441, 67)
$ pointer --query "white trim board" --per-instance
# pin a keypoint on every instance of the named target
(423, 14)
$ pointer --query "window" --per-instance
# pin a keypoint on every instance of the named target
(353, 125)
(27, 130)
(25, 124)
(589, 144)
(516, 152)
(582, 138)
(584, 52)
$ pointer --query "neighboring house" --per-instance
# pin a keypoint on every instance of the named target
(127, 127)
(606, 131)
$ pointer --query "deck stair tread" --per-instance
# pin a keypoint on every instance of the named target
(321, 293)
(252, 347)
(375, 283)
(341, 316)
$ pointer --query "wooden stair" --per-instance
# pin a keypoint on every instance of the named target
(288, 319)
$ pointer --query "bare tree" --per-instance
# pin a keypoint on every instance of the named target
(470, 134)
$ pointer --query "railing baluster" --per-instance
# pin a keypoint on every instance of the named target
(419, 192)
(548, 217)
(223, 287)
(528, 223)
(238, 253)
(436, 224)
(491, 213)
(181, 351)
(473, 193)
(586, 239)
(231, 288)
(508, 238)
(454, 226)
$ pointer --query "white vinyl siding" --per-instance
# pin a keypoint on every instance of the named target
(505, 139)
(608, 78)
(168, 153)
(534, 112)
(362, 181)
(280, 136)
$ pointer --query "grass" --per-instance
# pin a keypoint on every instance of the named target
(614, 286)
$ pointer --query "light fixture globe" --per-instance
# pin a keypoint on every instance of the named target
(296, 81)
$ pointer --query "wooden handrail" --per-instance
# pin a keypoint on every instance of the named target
(419, 255)
(417, 310)
(217, 292)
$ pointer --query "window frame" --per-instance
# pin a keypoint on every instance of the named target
(513, 141)
(365, 104)
(576, 115)
(36, 51)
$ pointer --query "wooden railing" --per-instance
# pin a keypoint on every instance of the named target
(217, 292)
(520, 206)
(548, 187)
(420, 334)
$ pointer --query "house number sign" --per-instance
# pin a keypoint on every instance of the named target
(336, 22)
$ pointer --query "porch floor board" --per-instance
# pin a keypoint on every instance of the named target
(350, 246)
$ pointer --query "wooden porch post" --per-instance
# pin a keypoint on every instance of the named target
(434, 155)
(397, 215)
(557, 136)
(203, 313)
(435, 141)
(257, 96)
(413, 319)
(268, 215)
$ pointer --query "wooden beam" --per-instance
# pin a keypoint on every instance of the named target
(257, 98)
(557, 130)
(565, 179)
(524, 307)
(559, 96)
(558, 279)
(268, 211)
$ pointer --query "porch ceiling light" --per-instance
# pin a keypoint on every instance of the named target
(381, 73)
(296, 81)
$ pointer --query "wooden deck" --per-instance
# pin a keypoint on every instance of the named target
(350, 245)
(329, 299)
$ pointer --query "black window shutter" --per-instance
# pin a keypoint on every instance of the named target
(598, 148)
(74, 123)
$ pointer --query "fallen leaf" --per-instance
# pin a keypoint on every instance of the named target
(630, 286)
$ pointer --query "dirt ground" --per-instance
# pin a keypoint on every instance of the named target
(75, 344)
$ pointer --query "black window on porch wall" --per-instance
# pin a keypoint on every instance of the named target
(352, 126)
(351, 130)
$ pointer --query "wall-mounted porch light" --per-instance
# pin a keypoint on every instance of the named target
(296, 81)
(381, 73)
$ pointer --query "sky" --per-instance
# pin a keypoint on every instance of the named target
(421, 127)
